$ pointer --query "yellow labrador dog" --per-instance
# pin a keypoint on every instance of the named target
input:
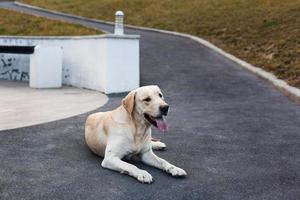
(126, 131)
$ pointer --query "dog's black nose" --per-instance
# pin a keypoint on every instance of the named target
(164, 109)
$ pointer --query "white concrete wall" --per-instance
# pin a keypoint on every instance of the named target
(122, 73)
(45, 69)
(106, 63)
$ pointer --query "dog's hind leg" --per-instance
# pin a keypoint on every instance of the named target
(157, 145)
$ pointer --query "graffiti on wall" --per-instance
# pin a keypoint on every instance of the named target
(66, 74)
(11, 70)
(16, 67)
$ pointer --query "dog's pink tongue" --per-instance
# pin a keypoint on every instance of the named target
(162, 125)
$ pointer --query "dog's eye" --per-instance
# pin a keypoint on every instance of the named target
(147, 99)
(160, 95)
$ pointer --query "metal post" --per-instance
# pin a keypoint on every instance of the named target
(119, 28)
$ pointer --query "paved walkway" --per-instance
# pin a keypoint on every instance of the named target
(235, 135)
(23, 106)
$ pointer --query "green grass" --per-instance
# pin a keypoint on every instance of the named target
(14, 23)
(265, 33)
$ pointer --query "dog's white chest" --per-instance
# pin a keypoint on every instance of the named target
(137, 146)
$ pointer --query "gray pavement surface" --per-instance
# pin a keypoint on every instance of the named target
(235, 135)
(24, 106)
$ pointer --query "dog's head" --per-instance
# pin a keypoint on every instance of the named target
(149, 104)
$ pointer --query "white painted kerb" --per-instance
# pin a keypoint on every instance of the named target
(106, 63)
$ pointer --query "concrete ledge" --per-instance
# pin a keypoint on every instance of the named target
(291, 92)
(106, 63)
(71, 37)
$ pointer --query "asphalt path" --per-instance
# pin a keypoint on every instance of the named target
(235, 135)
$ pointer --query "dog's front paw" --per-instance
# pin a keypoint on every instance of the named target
(159, 146)
(144, 177)
(176, 171)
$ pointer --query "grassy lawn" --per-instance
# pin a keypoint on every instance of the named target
(265, 33)
(14, 23)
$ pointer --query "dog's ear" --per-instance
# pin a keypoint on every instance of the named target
(129, 101)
